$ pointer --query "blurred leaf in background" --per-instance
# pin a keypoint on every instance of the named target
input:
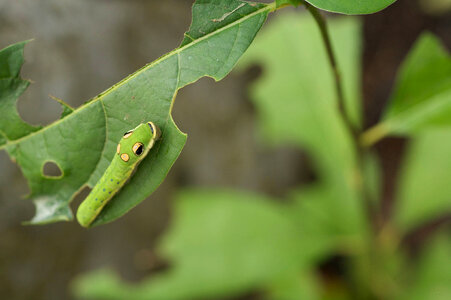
(421, 98)
(296, 104)
(420, 107)
(424, 188)
(431, 278)
(220, 243)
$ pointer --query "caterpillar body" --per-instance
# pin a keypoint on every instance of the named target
(131, 150)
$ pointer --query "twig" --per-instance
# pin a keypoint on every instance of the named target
(320, 20)
(361, 149)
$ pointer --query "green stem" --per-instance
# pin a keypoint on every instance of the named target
(273, 6)
(321, 21)
(355, 132)
(362, 277)
(373, 135)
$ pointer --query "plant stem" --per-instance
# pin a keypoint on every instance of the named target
(355, 132)
(374, 134)
(380, 245)
(320, 20)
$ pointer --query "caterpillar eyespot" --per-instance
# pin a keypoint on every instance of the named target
(131, 150)
(138, 148)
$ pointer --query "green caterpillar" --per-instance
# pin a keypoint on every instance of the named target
(131, 150)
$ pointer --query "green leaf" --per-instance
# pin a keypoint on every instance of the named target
(422, 96)
(351, 7)
(433, 273)
(424, 189)
(83, 143)
(12, 86)
(304, 286)
(372, 177)
(221, 243)
(320, 232)
(296, 104)
(100, 284)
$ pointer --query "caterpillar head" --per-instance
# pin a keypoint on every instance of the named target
(135, 143)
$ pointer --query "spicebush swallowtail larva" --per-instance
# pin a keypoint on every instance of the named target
(131, 150)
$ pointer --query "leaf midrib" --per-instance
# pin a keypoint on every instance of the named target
(268, 7)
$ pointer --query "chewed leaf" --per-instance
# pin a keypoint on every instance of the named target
(66, 108)
(12, 86)
(83, 142)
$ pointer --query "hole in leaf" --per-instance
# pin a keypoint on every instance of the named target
(79, 196)
(51, 169)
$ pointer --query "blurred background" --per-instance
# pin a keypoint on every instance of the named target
(82, 47)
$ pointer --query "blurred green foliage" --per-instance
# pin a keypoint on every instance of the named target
(421, 97)
(296, 104)
(432, 275)
(424, 189)
(220, 243)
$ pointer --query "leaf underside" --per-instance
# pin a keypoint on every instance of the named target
(83, 142)
(352, 7)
